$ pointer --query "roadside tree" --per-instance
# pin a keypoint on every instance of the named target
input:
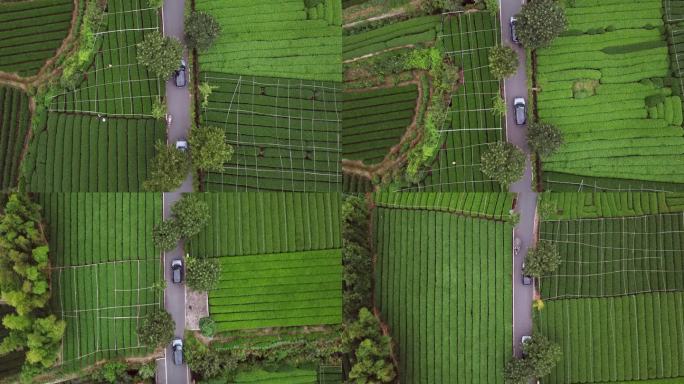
(543, 138)
(503, 61)
(539, 22)
(503, 162)
(201, 29)
(160, 54)
(542, 260)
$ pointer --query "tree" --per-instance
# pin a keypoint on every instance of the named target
(156, 329)
(517, 371)
(539, 22)
(547, 206)
(191, 215)
(356, 256)
(159, 109)
(503, 162)
(169, 168)
(208, 148)
(147, 371)
(503, 61)
(498, 106)
(542, 260)
(155, 3)
(160, 54)
(166, 235)
(542, 354)
(543, 138)
(370, 350)
(205, 361)
(201, 29)
(432, 6)
(492, 6)
(202, 274)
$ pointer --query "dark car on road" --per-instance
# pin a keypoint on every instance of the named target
(177, 271)
(520, 110)
(180, 75)
(177, 347)
(514, 37)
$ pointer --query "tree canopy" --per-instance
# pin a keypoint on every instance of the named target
(369, 350)
(503, 61)
(166, 235)
(202, 274)
(191, 215)
(503, 162)
(542, 260)
(160, 54)
(543, 138)
(24, 284)
(540, 356)
(156, 329)
(208, 148)
(201, 29)
(168, 169)
(539, 22)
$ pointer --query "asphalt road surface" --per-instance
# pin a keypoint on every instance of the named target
(178, 104)
(516, 86)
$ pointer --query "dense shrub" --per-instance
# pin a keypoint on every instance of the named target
(356, 256)
(207, 326)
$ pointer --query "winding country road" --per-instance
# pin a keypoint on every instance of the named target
(516, 86)
(178, 104)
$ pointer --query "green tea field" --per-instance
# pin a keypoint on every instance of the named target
(286, 133)
(115, 84)
(605, 83)
(472, 123)
(78, 152)
(280, 256)
(14, 126)
(105, 268)
(614, 304)
(443, 285)
(374, 121)
(293, 39)
(31, 33)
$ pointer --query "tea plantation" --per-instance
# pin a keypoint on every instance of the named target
(443, 284)
(606, 84)
(31, 33)
(614, 303)
(280, 256)
(14, 126)
(105, 267)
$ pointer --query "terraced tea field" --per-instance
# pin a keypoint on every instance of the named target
(286, 133)
(374, 121)
(14, 126)
(443, 285)
(280, 255)
(605, 84)
(636, 337)
(614, 304)
(105, 267)
(31, 33)
(472, 123)
(78, 152)
(396, 35)
(283, 39)
(116, 85)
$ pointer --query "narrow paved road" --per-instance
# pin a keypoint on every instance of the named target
(516, 86)
(178, 103)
